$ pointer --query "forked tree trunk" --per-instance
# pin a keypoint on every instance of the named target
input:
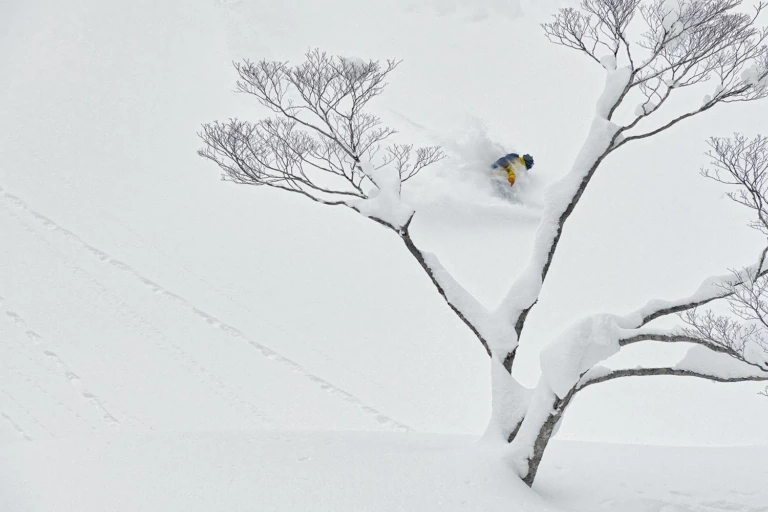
(546, 432)
(537, 430)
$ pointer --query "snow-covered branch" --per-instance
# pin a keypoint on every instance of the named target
(619, 331)
(563, 197)
(467, 308)
(594, 339)
(547, 407)
(670, 336)
(491, 330)
(712, 288)
(608, 375)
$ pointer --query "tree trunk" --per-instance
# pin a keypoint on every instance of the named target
(538, 427)
(509, 403)
(546, 432)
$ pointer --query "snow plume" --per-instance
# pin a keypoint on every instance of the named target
(465, 177)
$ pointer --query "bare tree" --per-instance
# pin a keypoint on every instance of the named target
(325, 146)
(323, 143)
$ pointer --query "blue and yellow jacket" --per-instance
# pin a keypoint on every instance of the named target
(511, 163)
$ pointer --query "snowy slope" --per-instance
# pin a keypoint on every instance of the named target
(135, 355)
(331, 471)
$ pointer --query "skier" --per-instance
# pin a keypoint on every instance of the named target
(513, 164)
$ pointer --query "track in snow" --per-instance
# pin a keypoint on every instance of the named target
(25, 212)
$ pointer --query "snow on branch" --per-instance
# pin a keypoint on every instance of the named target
(670, 336)
(700, 361)
(577, 349)
(322, 142)
(590, 341)
(743, 331)
(581, 347)
(712, 288)
(493, 334)
(603, 375)
(562, 198)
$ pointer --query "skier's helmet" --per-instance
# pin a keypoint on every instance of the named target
(528, 159)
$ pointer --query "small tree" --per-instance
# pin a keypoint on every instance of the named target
(323, 145)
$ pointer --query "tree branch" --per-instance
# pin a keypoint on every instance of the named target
(711, 289)
(676, 372)
(460, 302)
(672, 338)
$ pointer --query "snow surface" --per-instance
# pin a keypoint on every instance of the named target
(332, 471)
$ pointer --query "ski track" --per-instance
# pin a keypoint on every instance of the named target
(15, 426)
(211, 320)
(61, 366)
(32, 382)
(219, 388)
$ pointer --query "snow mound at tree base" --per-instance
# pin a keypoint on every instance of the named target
(355, 471)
